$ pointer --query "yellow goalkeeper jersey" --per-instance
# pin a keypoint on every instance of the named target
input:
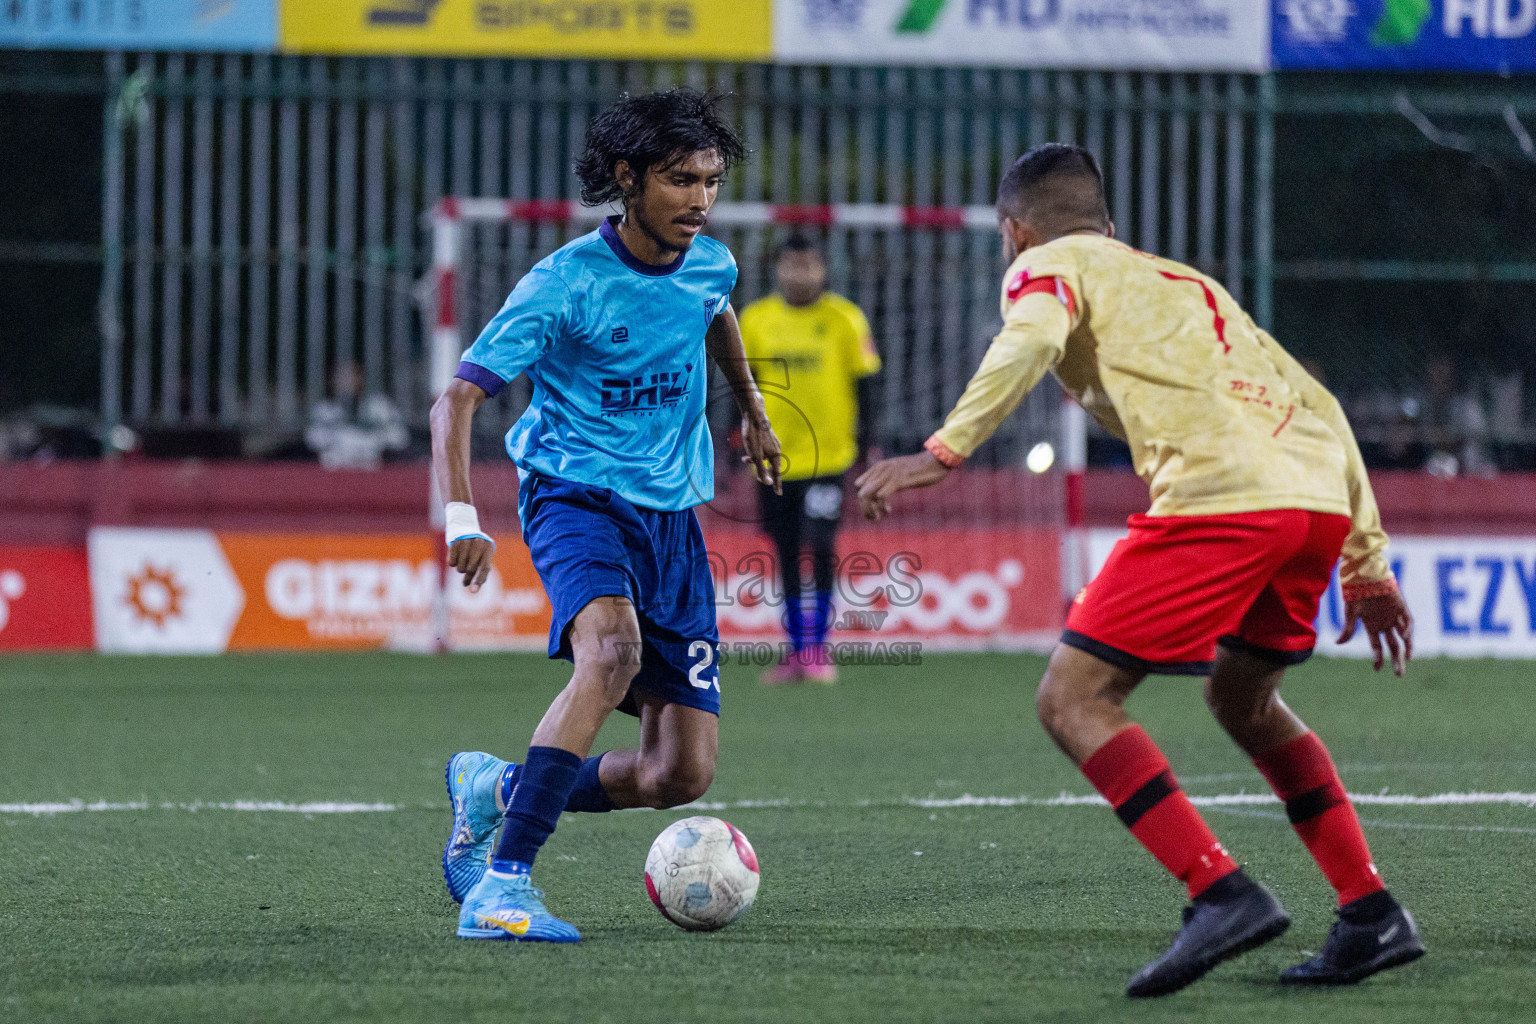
(1219, 418)
(808, 361)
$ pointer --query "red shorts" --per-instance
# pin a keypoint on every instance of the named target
(1178, 585)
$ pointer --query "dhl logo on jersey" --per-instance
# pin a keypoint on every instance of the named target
(727, 29)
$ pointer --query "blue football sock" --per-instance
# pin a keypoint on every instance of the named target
(543, 788)
(821, 623)
(508, 780)
(511, 867)
(794, 624)
(589, 794)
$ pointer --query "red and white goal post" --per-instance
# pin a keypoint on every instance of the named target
(452, 218)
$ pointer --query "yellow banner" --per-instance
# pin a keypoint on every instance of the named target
(700, 29)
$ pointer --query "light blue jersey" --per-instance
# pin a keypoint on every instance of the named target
(615, 350)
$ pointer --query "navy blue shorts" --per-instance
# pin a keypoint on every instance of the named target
(589, 542)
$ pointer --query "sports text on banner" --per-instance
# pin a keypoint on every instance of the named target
(630, 29)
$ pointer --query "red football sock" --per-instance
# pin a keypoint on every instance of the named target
(1133, 775)
(1302, 774)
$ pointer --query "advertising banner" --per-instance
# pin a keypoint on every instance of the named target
(1470, 596)
(227, 25)
(359, 591)
(197, 592)
(1406, 35)
(45, 600)
(626, 29)
(1182, 35)
(944, 589)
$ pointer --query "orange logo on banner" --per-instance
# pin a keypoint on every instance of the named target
(359, 591)
(154, 595)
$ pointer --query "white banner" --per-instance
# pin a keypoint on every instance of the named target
(162, 591)
(1471, 597)
(1172, 35)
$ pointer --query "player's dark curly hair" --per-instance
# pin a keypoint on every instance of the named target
(652, 132)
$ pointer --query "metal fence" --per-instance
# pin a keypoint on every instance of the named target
(262, 216)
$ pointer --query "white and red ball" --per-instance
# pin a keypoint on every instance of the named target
(701, 873)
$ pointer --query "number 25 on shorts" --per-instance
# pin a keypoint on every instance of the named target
(700, 675)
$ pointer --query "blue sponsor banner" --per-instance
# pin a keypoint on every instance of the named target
(1406, 35)
(139, 24)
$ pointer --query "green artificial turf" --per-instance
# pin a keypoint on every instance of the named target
(871, 907)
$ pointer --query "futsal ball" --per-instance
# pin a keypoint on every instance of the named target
(701, 873)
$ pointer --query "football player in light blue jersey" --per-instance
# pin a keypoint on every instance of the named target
(612, 454)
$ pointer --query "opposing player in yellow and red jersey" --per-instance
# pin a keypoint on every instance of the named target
(1257, 490)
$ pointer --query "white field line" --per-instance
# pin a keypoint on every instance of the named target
(315, 807)
(1241, 800)
(1416, 826)
(1220, 800)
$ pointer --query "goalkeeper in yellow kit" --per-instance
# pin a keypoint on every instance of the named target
(1257, 488)
(814, 356)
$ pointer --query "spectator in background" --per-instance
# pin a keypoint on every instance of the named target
(814, 357)
(352, 430)
(1442, 427)
(1456, 423)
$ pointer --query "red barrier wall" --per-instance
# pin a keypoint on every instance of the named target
(56, 504)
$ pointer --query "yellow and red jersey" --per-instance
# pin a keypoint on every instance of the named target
(1219, 418)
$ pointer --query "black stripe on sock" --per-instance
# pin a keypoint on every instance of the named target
(1146, 798)
(1312, 803)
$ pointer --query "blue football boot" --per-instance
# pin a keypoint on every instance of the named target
(473, 778)
(509, 908)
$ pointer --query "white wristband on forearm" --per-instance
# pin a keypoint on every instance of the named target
(463, 523)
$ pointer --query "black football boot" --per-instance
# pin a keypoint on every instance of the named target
(1230, 918)
(1372, 934)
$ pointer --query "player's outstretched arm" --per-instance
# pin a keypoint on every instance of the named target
(879, 482)
(1032, 340)
(725, 347)
(452, 414)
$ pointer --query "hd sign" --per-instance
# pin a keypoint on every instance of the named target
(1209, 35)
(1408, 35)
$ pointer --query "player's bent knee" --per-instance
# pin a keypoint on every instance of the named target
(1054, 705)
(677, 783)
(1236, 707)
(1219, 703)
(611, 664)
